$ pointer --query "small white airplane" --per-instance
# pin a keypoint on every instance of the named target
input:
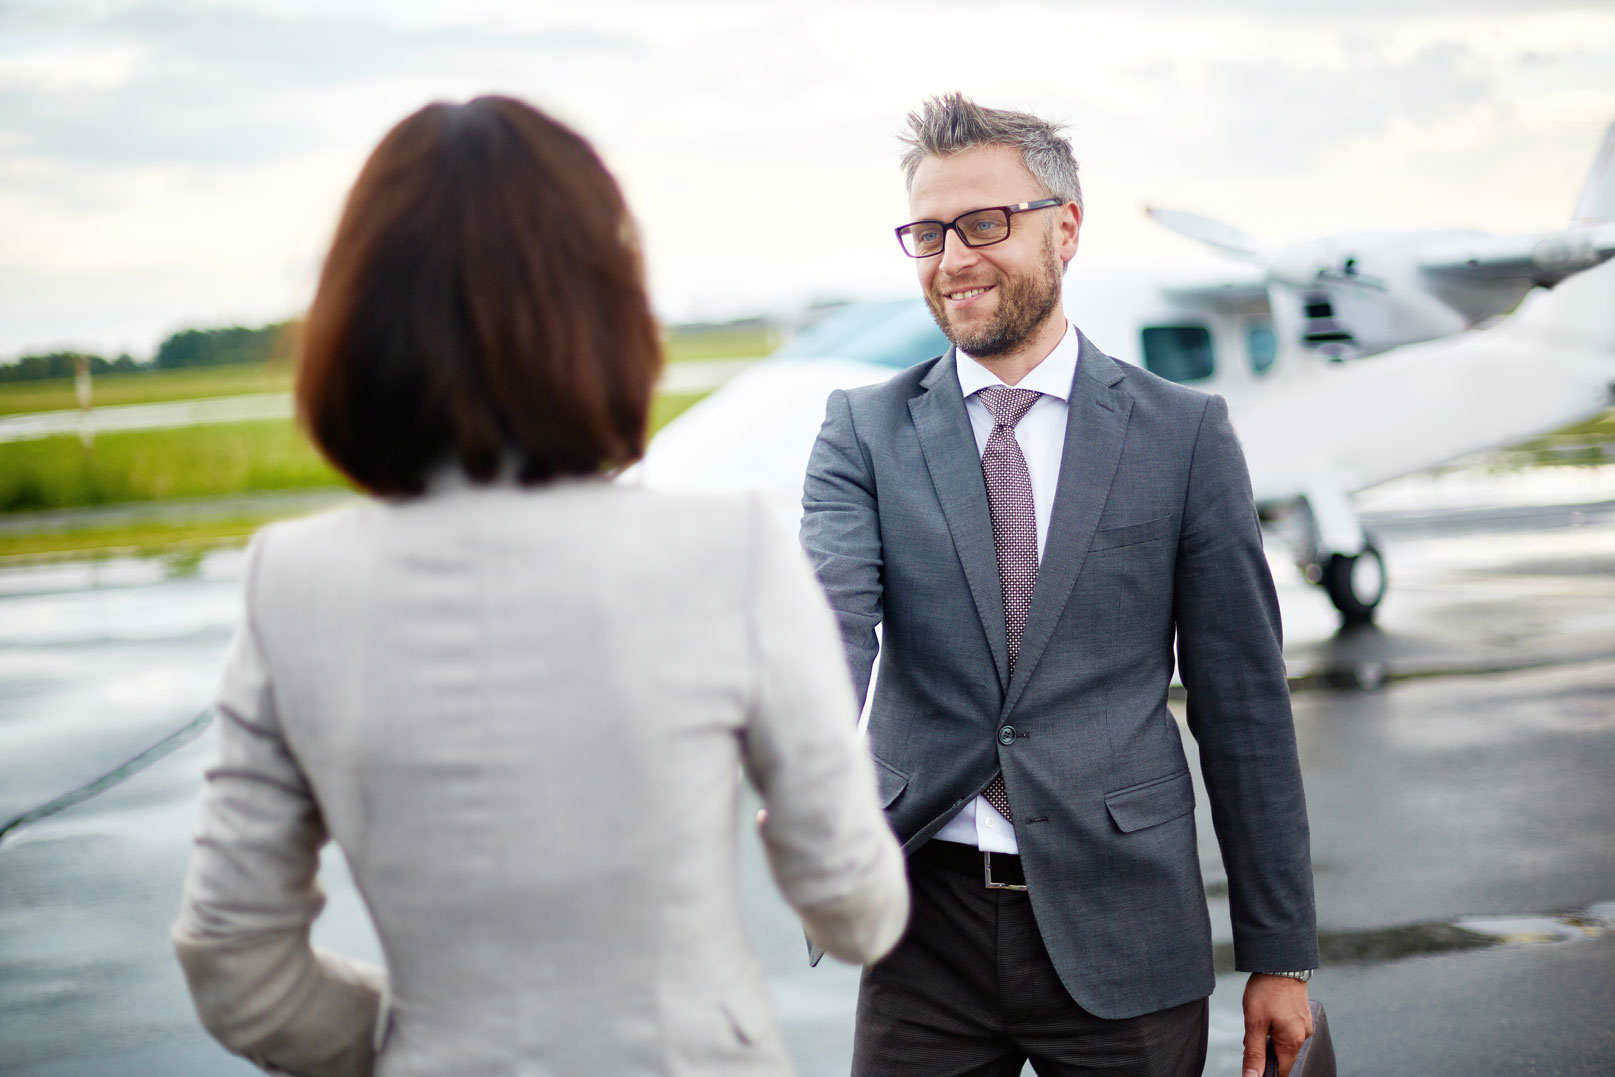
(1346, 362)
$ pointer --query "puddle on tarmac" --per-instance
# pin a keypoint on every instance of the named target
(1373, 675)
(1379, 945)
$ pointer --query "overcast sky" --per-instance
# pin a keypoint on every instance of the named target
(181, 162)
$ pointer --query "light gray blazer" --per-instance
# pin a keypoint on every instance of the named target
(523, 715)
(1153, 544)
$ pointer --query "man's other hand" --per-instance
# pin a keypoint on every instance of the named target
(1274, 1006)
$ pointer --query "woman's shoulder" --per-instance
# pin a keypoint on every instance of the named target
(639, 532)
(571, 523)
(729, 509)
(319, 530)
(607, 505)
(718, 523)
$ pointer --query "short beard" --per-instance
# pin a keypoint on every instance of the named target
(1026, 301)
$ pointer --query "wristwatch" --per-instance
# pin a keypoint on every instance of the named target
(1303, 976)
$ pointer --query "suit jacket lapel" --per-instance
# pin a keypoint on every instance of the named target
(1096, 426)
(949, 448)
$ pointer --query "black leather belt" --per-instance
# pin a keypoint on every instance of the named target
(999, 871)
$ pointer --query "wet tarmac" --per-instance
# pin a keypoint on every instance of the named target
(1457, 761)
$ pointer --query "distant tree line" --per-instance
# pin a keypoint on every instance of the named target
(62, 365)
(219, 347)
(186, 348)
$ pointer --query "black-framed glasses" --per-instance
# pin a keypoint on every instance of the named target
(978, 228)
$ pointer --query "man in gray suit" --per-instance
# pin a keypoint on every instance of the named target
(1034, 526)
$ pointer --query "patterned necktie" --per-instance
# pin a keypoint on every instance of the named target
(1009, 499)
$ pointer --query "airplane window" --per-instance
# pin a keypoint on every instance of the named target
(895, 334)
(1262, 345)
(1179, 352)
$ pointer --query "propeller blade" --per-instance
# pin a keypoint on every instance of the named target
(1215, 234)
(1319, 264)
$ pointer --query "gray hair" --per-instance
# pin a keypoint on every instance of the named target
(950, 123)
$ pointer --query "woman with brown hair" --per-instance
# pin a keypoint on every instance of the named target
(517, 694)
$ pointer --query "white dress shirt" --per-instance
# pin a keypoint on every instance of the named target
(1041, 436)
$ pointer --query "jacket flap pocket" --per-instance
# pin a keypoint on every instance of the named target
(1152, 803)
(889, 780)
(1108, 538)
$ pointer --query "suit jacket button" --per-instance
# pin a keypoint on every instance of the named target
(1006, 735)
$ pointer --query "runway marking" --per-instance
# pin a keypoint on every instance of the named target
(112, 778)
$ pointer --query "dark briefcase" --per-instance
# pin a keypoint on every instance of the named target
(1317, 1055)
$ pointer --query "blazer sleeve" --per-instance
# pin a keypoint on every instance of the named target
(829, 847)
(841, 534)
(1230, 654)
(251, 894)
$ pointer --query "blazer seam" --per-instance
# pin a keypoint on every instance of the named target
(753, 688)
(250, 587)
(863, 450)
(1194, 456)
(873, 494)
(249, 616)
(224, 710)
(242, 774)
(271, 695)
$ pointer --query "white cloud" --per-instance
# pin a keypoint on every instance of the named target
(166, 163)
(59, 70)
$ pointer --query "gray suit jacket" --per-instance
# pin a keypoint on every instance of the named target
(1154, 540)
(523, 716)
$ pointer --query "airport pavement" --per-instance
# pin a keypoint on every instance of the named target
(1457, 762)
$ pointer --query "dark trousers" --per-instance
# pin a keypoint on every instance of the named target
(971, 991)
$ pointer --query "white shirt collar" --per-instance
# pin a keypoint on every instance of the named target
(1051, 377)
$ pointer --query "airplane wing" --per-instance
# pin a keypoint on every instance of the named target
(1539, 257)
(1225, 288)
(1231, 241)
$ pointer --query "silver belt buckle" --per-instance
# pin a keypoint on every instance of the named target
(987, 873)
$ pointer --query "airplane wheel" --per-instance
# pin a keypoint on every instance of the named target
(1356, 583)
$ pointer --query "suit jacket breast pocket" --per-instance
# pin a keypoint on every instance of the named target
(889, 780)
(1114, 538)
(1128, 563)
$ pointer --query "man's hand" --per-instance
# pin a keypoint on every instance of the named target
(1274, 1006)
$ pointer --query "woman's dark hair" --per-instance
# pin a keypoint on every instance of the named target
(483, 304)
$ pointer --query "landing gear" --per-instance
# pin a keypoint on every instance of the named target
(1335, 553)
(1356, 583)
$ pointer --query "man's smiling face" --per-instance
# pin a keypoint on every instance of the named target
(992, 300)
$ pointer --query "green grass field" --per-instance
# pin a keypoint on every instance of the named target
(199, 383)
(698, 344)
(158, 465)
(152, 466)
(147, 387)
(202, 462)
(1590, 442)
(218, 460)
(178, 541)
